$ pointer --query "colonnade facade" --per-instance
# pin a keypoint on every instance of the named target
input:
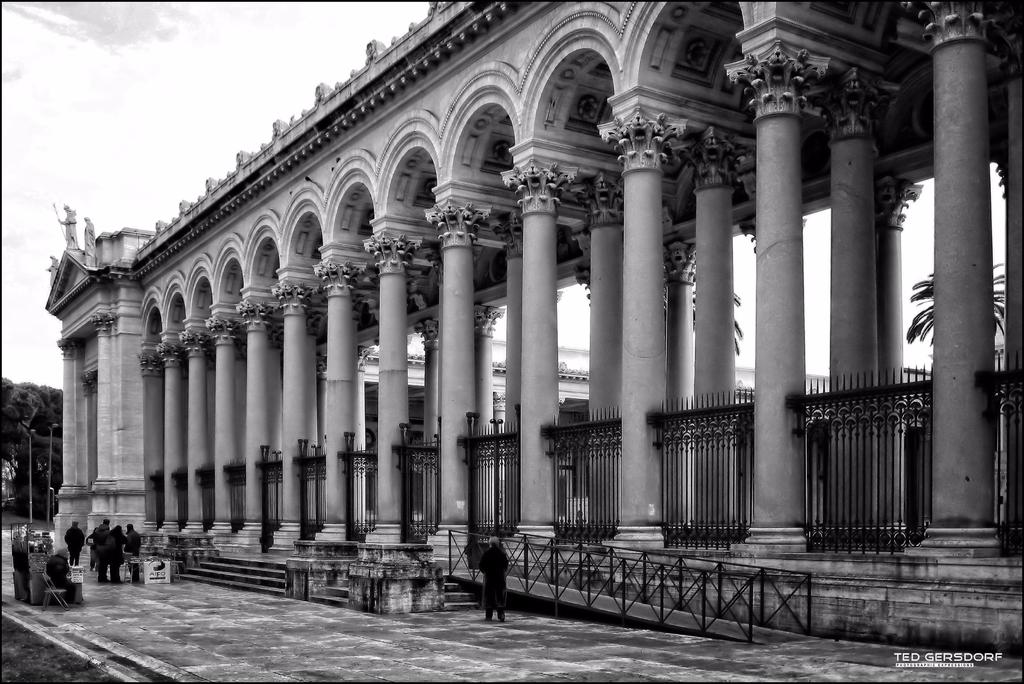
(436, 200)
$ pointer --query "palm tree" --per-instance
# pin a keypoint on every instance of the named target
(924, 292)
(738, 331)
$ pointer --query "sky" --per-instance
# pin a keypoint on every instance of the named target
(122, 110)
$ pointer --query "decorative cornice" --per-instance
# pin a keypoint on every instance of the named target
(222, 330)
(945, 22)
(456, 225)
(777, 78)
(680, 263)
(292, 297)
(852, 105)
(603, 199)
(254, 312)
(90, 379)
(104, 321)
(642, 139)
(151, 364)
(171, 354)
(538, 186)
(511, 232)
(484, 318)
(429, 329)
(338, 279)
(69, 346)
(392, 253)
(892, 197)
(713, 157)
(195, 341)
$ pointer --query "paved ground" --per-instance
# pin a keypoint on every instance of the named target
(193, 632)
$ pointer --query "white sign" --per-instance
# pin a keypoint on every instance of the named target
(77, 574)
(156, 572)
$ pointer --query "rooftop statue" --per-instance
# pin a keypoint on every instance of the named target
(70, 233)
(90, 237)
(54, 265)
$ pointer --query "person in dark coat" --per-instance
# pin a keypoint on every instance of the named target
(132, 548)
(94, 552)
(101, 546)
(75, 539)
(57, 569)
(116, 544)
(493, 565)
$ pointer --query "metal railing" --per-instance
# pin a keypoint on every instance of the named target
(157, 479)
(235, 474)
(676, 592)
(271, 484)
(207, 497)
(1005, 389)
(421, 488)
(312, 467)
(707, 467)
(585, 458)
(868, 460)
(180, 479)
(360, 471)
(492, 454)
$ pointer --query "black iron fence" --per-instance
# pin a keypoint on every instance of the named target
(1006, 391)
(235, 474)
(675, 592)
(180, 479)
(868, 460)
(207, 496)
(360, 471)
(421, 488)
(157, 479)
(707, 466)
(492, 453)
(271, 484)
(586, 458)
(312, 489)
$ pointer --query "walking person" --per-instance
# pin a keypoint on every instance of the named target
(75, 539)
(493, 565)
(116, 544)
(132, 549)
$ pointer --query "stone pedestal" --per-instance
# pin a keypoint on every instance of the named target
(318, 564)
(395, 578)
(187, 548)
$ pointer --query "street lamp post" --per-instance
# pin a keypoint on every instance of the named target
(29, 432)
(49, 476)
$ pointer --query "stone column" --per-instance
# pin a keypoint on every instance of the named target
(456, 227)
(321, 402)
(196, 342)
(777, 76)
(962, 437)
(512, 234)
(105, 323)
(222, 332)
(604, 201)
(255, 316)
(485, 317)
(360, 417)
(174, 428)
(74, 492)
(88, 426)
(392, 254)
(892, 196)
(340, 403)
(641, 138)
(679, 269)
(539, 188)
(428, 329)
(152, 369)
(297, 398)
(713, 156)
(849, 108)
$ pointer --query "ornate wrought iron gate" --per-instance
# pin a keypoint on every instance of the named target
(207, 498)
(494, 476)
(312, 481)
(421, 488)
(1006, 409)
(180, 478)
(271, 483)
(707, 466)
(360, 490)
(586, 478)
(235, 474)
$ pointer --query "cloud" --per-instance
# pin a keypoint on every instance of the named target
(12, 74)
(109, 25)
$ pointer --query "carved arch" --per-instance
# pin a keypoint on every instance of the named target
(230, 251)
(419, 130)
(482, 90)
(267, 225)
(201, 271)
(307, 200)
(357, 168)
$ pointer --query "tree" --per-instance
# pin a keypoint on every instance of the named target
(28, 407)
(924, 294)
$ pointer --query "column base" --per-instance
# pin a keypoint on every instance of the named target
(286, 536)
(194, 528)
(773, 540)
(334, 532)
(537, 530)
(385, 533)
(149, 526)
(241, 541)
(641, 537)
(958, 542)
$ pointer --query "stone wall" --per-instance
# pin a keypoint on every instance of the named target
(188, 548)
(318, 564)
(396, 578)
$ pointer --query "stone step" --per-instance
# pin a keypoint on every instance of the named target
(334, 592)
(251, 562)
(460, 605)
(250, 571)
(327, 600)
(244, 586)
(237, 577)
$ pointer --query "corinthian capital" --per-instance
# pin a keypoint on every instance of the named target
(392, 253)
(713, 157)
(90, 379)
(171, 354)
(194, 341)
(604, 200)
(338, 279)
(539, 187)
(104, 322)
(641, 139)
(69, 346)
(892, 197)
(680, 263)
(945, 22)
(850, 105)
(484, 318)
(292, 296)
(363, 355)
(254, 312)
(777, 78)
(511, 232)
(456, 225)
(429, 329)
(150, 363)
(221, 329)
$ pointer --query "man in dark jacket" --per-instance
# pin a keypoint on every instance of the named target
(100, 538)
(493, 565)
(75, 539)
(132, 548)
(115, 544)
(57, 569)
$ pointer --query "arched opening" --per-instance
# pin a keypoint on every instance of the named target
(355, 211)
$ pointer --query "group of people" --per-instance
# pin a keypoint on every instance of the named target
(108, 549)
